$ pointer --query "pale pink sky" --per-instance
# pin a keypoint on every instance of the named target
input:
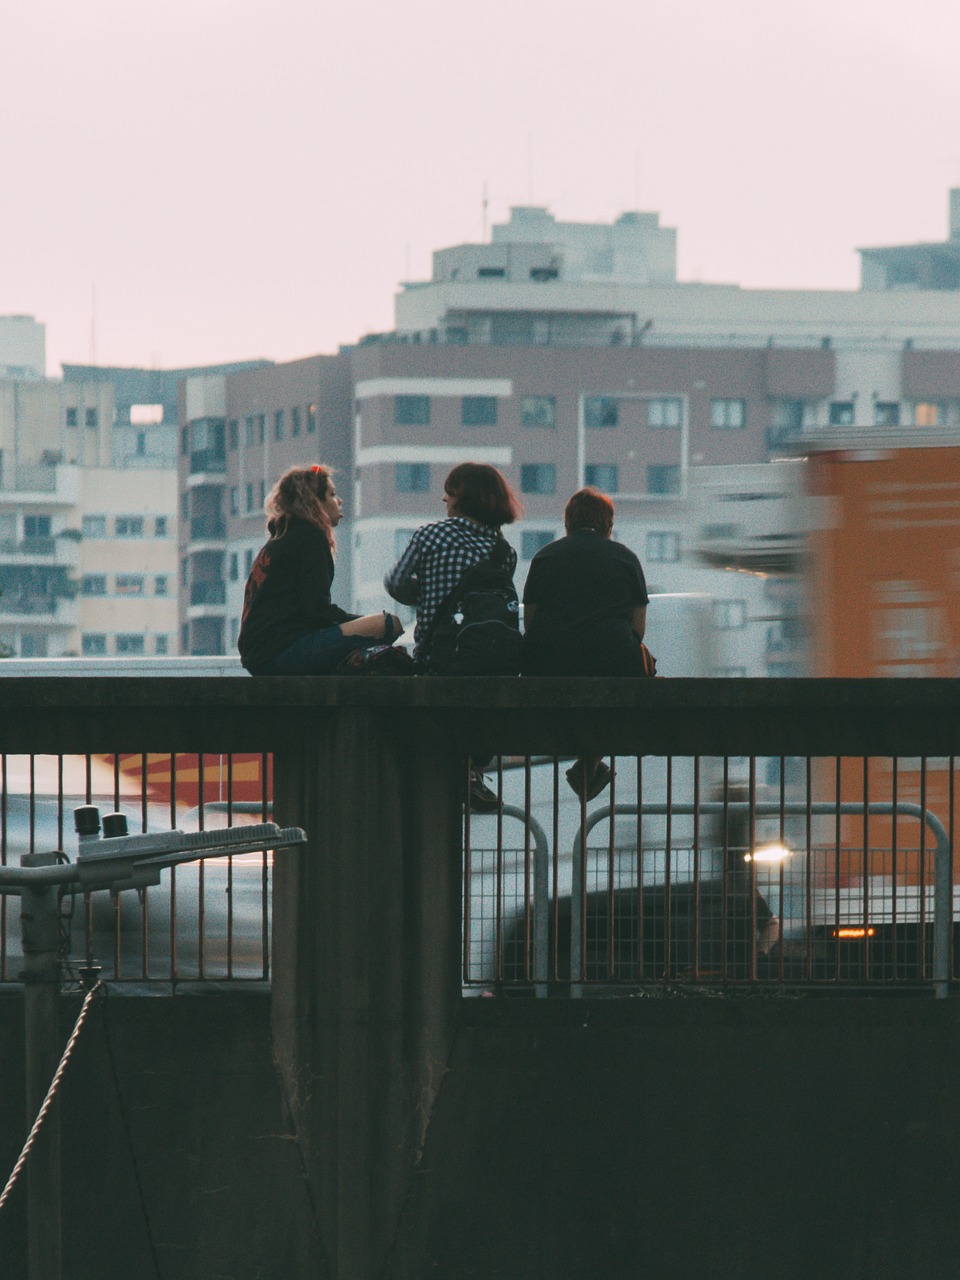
(239, 178)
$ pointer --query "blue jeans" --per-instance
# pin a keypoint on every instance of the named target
(318, 653)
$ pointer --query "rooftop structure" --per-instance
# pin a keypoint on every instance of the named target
(22, 348)
(927, 266)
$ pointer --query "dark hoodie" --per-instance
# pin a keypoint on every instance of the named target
(288, 593)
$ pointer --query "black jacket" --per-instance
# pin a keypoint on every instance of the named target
(287, 594)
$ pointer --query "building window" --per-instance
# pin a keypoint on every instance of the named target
(886, 413)
(129, 642)
(94, 526)
(401, 540)
(787, 415)
(93, 584)
(663, 547)
(278, 425)
(234, 500)
(728, 414)
(233, 432)
(185, 638)
(248, 431)
(128, 527)
(71, 417)
(729, 615)
(90, 417)
(93, 644)
(33, 645)
(311, 419)
(532, 541)
(665, 413)
(295, 420)
(160, 527)
(538, 411)
(234, 567)
(160, 645)
(185, 504)
(927, 413)
(185, 570)
(128, 584)
(600, 411)
(841, 413)
(249, 494)
(601, 475)
(412, 477)
(663, 478)
(261, 428)
(538, 477)
(411, 411)
(248, 560)
(478, 411)
(160, 585)
(263, 492)
(36, 528)
(141, 444)
(184, 440)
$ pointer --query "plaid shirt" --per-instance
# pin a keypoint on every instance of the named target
(437, 557)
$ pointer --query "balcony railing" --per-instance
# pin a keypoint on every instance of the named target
(209, 461)
(768, 833)
(208, 593)
(207, 527)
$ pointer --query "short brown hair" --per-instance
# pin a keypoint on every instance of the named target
(298, 493)
(589, 509)
(482, 494)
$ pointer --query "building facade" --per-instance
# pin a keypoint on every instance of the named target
(569, 354)
(239, 433)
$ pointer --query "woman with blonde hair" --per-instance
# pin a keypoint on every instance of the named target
(289, 625)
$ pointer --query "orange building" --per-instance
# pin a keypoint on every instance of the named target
(884, 600)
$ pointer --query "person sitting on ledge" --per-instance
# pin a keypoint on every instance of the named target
(585, 612)
(478, 502)
(289, 625)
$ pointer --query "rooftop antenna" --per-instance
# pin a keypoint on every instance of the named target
(483, 214)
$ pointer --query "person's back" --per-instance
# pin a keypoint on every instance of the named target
(584, 589)
(585, 598)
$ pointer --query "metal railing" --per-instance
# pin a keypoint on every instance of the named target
(803, 890)
(206, 921)
(645, 884)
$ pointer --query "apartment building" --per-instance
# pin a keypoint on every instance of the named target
(239, 433)
(569, 354)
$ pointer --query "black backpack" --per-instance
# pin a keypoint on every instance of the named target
(476, 631)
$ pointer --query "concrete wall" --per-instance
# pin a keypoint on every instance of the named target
(177, 1157)
(682, 1138)
(691, 1139)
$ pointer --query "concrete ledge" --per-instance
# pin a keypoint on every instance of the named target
(682, 716)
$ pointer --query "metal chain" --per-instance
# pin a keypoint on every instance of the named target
(51, 1094)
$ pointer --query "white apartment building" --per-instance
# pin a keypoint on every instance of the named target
(88, 550)
(570, 354)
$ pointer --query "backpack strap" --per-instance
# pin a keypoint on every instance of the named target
(500, 555)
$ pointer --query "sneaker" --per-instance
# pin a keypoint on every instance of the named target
(483, 799)
(589, 788)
